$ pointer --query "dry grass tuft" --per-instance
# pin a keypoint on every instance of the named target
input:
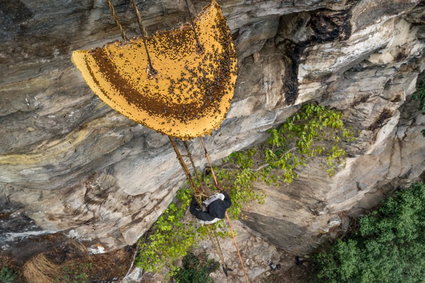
(40, 270)
(71, 262)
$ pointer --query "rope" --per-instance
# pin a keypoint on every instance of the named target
(117, 21)
(151, 71)
(227, 216)
(183, 165)
(216, 243)
(200, 49)
(217, 247)
(191, 161)
(207, 156)
(235, 243)
(197, 192)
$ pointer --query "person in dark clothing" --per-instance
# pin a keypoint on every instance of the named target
(214, 208)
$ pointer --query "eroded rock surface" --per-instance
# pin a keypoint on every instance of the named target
(72, 164)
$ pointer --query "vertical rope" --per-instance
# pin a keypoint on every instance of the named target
(213, 238)
(139, 19)
(117, 21)
(235, 243)
(207, 156)
(217, 247)
(200, 49)
(182, 163)
(151, 71)
(227, 216)
(191, 161)
(197, 193)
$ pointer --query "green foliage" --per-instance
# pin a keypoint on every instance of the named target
(243, 159)
(239, 182)
(314, 130)
(7, 275)
(218, 229)
(170, 237)
(196, 269)
(388, 247)
(420, 95)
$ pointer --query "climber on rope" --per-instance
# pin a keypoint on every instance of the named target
(213, 208)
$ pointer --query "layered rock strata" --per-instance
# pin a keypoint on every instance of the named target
(70, 163)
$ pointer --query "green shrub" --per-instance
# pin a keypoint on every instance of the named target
(388, 247)
(314, 130)
(7, 275)
(170, 237)
(196, 269)
(239, 181)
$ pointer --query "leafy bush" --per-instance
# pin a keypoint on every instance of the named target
(239, 182)
(7, 275)
(388, 247)
(196, 269)
(314, 130)
(170, 237)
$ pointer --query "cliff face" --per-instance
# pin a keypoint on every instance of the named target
(70, 163)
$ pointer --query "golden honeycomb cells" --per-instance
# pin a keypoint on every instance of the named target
(191, 92)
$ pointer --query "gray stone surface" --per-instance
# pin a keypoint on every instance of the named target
(75, 165)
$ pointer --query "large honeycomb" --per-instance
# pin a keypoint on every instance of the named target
(191, 91)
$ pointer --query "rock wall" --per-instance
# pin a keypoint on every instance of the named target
(70, 163)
